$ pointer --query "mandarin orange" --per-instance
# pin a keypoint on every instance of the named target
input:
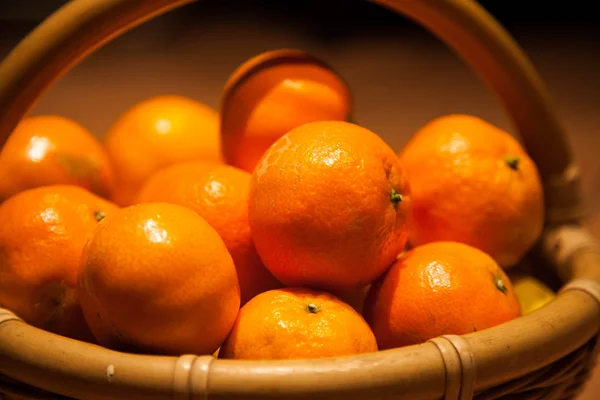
(295, 323)
(158, 132)
(42, 233)
(157, 278)
(439, 288)
(51, 149)
(328, 206)
(219, 194)
(272, 93)
(473, 183)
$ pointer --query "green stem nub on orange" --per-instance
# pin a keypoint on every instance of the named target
(500, 285)
(99, 215)
(513, 162)
(395, 197)
(312, 308)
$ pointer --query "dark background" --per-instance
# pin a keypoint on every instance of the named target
(342, 17)
(401, 76)
(331, 22)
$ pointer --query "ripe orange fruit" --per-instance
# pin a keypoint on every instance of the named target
(50, 149)
(272, 93)
(473, 183)
(328, 206)
(158, 132)
(42, 233)
(439, 288)
(157, 278)
(219, 194)
(297, 324)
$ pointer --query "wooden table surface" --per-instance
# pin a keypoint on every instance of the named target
(400, 80)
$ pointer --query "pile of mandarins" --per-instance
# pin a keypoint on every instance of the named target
(272, 228)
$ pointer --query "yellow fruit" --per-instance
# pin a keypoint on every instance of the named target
(531, 293)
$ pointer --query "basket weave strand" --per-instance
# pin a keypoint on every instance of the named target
(560, 380)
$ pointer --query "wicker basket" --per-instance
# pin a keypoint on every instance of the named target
(544, 355)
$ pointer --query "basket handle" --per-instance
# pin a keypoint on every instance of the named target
(81, 26)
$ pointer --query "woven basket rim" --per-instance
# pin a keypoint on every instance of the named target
(419, 370)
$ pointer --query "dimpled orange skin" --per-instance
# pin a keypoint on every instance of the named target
(219, 194)
(50, 149)
(42, 233)
(274, 99)
(156, 278)
(440, 288)
(296, 323)
(158, 132)
(321, 210)
(464, 190)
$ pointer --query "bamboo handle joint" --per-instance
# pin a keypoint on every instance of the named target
(6, 316)
(563, 246)
(459, 364)
(190, 376)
